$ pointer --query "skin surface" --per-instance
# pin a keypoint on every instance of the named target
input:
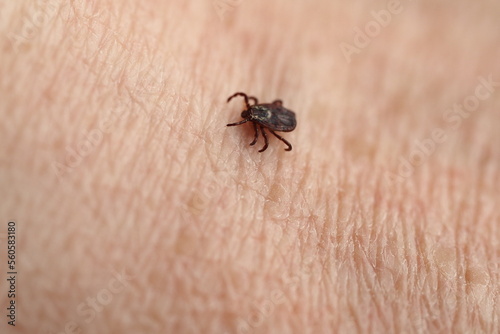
(139, 211)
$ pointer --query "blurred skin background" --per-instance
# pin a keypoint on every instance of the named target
(137, 210)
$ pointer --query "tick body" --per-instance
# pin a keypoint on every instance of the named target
(266, 116)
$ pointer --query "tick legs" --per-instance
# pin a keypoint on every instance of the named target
(254, 99)
(283, 140)
(256, 134)
(237, 123)
(278, 102)
(265, 139)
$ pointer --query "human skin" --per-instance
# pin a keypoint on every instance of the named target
(139, 211)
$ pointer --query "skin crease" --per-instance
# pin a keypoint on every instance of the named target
(139, 211)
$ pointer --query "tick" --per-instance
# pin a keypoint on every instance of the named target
(271, 116)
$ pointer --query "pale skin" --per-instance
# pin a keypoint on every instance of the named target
(139, 211)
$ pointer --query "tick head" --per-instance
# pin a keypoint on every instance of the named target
(245, 114)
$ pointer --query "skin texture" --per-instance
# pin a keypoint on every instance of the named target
(138, 211)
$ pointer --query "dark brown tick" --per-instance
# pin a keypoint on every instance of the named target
(271, 116)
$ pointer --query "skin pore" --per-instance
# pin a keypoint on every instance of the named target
(139, 211)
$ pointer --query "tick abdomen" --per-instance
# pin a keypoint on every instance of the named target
(275, 117)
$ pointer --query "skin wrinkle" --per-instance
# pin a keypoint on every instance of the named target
(367, 273)
(363, 224)
(103, 41)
